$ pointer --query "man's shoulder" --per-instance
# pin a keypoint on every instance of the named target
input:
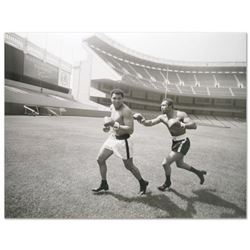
(126, 109)
(180, 113)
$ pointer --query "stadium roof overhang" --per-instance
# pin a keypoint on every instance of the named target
(103, 43)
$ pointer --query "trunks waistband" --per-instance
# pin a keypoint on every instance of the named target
(179, 137)
(122, 137)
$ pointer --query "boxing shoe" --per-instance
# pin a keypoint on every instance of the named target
(103, 187)
(199, 173)
(166, 185)
(201, 176)
(143, 187)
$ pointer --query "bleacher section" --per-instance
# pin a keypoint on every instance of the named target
(172, 88)
(187, 78)
(226, 80)
(198, 88)
(194, 81)
(141, 98)
(205, 80)
(186, 90)
(31, 97)
(205, 90)
(225, 92)
(239, 92)
(172, 77)
(38, 82)
(242, 79)
(18, 100)
(201, 91)
(157, 74)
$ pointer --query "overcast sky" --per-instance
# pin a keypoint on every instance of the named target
(203, 47)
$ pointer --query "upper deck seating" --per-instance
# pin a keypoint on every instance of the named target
(205, 80)
(187, 78)
(226, 80)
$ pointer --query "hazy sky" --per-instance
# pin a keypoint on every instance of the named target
(213, 47)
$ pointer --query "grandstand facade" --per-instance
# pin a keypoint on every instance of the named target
(26, 62)
(37, 82)
(208, 88)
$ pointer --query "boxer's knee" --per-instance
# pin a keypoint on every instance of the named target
(100, 160)
(166, 162)
(103, 155)
(128, 164)
(180, 164)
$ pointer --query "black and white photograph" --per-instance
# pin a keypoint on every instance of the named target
(124, 125)
(113, 125)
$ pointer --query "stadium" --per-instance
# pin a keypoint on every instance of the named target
(53, 130)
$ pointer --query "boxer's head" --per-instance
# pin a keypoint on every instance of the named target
(167, 105)
(117, 96)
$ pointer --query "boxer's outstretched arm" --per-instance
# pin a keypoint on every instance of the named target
(152, 122)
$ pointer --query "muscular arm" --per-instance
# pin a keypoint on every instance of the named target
(149, 123)
(188, 122)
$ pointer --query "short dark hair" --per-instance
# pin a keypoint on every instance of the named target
(169, 101)
(117, 91)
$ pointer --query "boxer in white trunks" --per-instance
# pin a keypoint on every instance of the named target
(121, 127)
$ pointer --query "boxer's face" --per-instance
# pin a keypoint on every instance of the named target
(165, 107)
(117, 100)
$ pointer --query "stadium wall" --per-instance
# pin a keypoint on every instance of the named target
(26, 62)
(142, 99)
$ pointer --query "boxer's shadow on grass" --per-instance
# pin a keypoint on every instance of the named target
(208, 196)
(161, 201)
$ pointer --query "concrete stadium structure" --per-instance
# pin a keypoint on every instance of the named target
(199, 88)
(39, 80)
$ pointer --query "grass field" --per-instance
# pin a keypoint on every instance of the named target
(50, 169)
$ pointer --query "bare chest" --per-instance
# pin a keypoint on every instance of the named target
(117, 116)
(169, 120)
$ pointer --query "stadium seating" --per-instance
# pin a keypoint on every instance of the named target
(139, 71)
(226, 80)
(220, 92)
(172, 77)
(31, 97)
(157, 74)
(191, 80)
(205, 80)
(187, 90)
(239, 92)
(187, 78)
(242, 79)
(187, 83)
(201, 91)
(128, 68)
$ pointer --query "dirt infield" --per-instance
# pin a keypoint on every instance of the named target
(50, 169)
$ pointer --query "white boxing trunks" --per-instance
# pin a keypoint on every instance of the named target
(122, 146)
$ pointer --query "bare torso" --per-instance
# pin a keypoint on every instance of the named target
(118, 116)
(177, 116)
